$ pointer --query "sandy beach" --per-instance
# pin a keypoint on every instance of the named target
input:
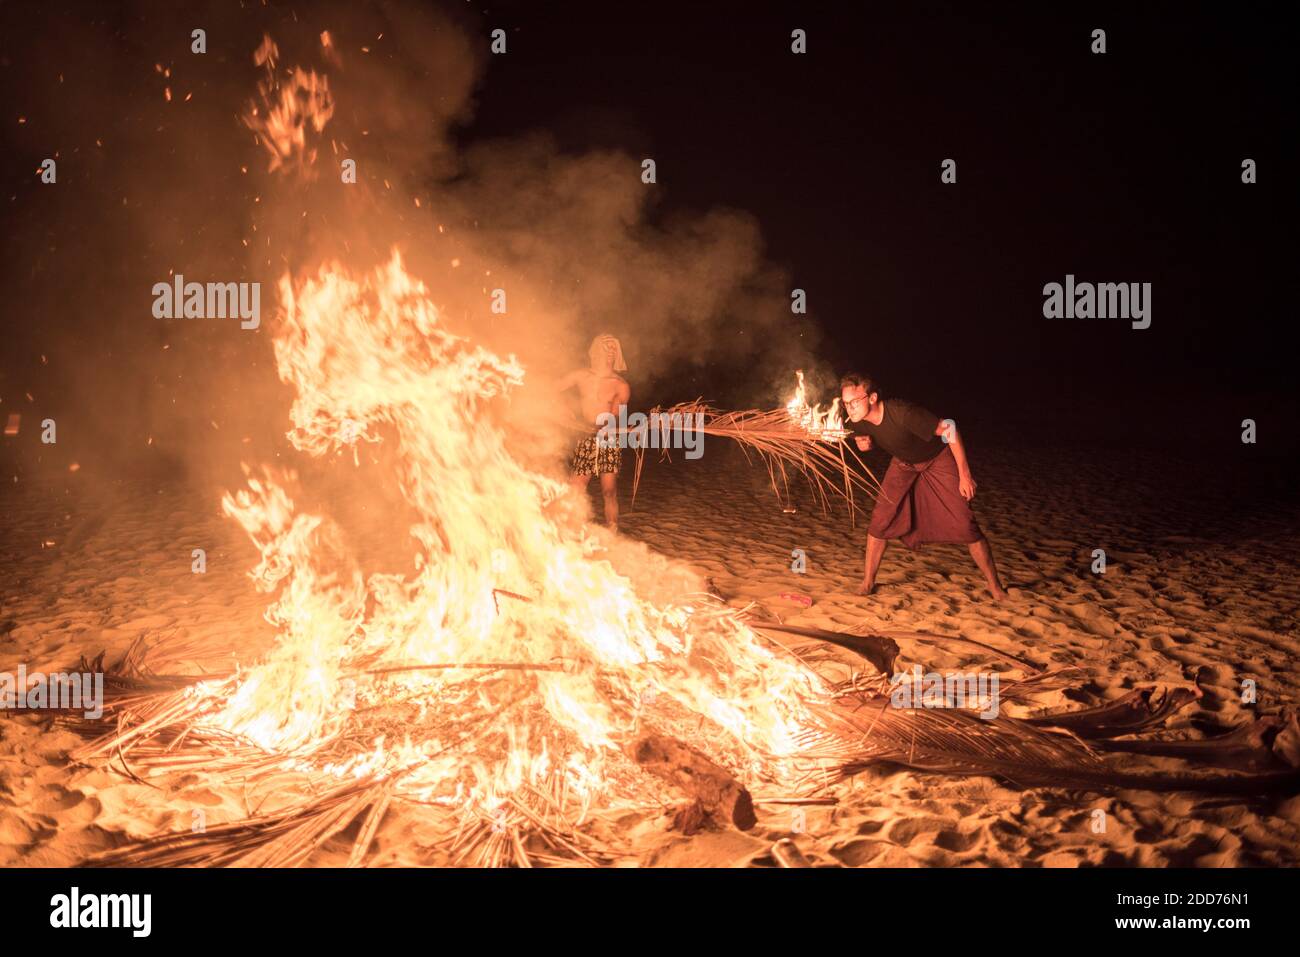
(1199, 591)
(313, 314)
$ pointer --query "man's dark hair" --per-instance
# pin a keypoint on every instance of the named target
(856, 379)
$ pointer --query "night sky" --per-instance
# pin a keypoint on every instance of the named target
(1122, 167)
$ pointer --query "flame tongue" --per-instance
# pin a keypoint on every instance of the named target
(828, 425)
(505, 575)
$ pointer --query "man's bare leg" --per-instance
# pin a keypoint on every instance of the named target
(875, 552)
(579, 484)
(983, 555)
(609, 489)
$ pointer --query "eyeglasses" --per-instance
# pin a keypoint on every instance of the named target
(850, 403)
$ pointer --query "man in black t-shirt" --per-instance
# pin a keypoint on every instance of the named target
(925, 493)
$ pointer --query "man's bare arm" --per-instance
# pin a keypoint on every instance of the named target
(947, 430)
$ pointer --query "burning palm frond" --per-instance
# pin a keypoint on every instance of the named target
(786, 445)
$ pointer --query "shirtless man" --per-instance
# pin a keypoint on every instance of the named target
(926, 492)
(600, 390)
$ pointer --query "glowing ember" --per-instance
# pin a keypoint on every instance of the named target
(286, 110)
(828, 425)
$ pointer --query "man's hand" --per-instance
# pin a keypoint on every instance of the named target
(966, 485)
(864, 442)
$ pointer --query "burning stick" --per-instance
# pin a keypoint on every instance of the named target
(715, 792)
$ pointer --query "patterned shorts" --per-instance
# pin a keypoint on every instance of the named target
(590, 458)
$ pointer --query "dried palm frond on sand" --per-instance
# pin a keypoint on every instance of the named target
(152, 725)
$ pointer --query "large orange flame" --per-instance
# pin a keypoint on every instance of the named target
(591, 637)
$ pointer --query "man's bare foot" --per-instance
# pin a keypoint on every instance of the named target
(866, 588)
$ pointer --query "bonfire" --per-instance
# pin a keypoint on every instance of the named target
(517, 678)
(519, 684)
(524, 680)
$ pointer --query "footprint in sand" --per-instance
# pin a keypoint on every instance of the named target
(955, 841)
(53, 798)
(859, 851)
(23, 830)
(1029, 628)
(906, 830)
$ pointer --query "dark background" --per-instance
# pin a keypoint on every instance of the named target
(1122, 167)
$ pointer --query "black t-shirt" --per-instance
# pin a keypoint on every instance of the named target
(906, 432)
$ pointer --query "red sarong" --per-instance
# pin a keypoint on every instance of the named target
(921, 503)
